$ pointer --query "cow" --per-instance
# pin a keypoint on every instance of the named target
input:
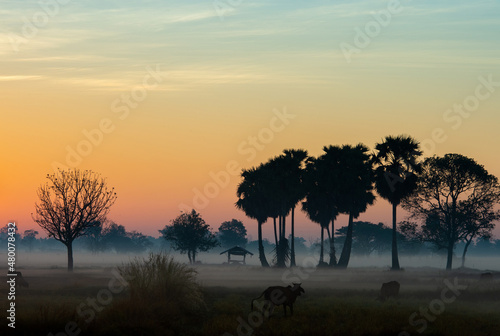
(20, 281)
(389, 289)
(488, 276)
(279, 295)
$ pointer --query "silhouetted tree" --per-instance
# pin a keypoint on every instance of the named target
(411, 237)
(254, 199)
(396, 172)
(4, 234)
(29, 238)
(319, 211)
(368, 237)
(355, 176)
(94, 240)
(478, 219)
(253, 245)
(321, 195)
(300, 244)
(71, 204)
(295, 174)
(115, 237)
(140, 242)
(287, 190)
(232, 233)
(189, 234)
(447, 189)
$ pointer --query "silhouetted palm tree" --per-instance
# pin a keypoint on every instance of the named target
(254, 201)
(355, 185)
(295, 172)
(396, 176)
(285, 190)
(316, 207)
(276, 191)
(320, 203)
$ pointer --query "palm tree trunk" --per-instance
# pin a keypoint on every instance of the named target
(280, 228)
(346, 250)
(275, 233)
(283, 233)
(292, 257)
(329, 242)
(465, 251)
(333, 257)
(321, 249)
(395, 259)
(262, 255)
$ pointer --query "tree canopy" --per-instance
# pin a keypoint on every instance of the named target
(232, 233)
(190, 234)
(455, 197)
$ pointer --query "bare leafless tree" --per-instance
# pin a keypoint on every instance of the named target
(71, 204)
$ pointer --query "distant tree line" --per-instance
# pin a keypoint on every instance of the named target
(369, 239)
(452, 201)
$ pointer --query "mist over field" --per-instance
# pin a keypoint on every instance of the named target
(85, 260)
(111, 294)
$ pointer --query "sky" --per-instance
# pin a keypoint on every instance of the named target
(170, 100)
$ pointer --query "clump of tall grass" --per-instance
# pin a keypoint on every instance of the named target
(160, 277)
(164, 299)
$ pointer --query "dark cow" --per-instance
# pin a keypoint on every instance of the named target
(20, 281)
(279, 295)
(389, 289)
(488, 276)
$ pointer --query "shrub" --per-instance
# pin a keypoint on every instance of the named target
(164, 299)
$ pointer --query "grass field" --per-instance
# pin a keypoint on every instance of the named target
(336, 302)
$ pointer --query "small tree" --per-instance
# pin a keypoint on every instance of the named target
(4, 235)
(71, 204)
(411, 237)
(94, 240)
(478, 219)
(368, 237)
(232, 233)
(29, 238)
(189, 234)
(115, 237)
(140, 242)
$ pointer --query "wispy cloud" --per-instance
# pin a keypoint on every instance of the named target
(19, 78)
(194, 17)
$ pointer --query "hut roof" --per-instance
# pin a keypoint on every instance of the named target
(237, 250)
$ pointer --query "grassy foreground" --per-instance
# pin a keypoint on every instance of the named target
(165, 298)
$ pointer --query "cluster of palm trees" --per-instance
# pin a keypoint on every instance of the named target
(340, 181)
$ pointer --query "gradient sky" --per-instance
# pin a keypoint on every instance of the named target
(225, 71)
